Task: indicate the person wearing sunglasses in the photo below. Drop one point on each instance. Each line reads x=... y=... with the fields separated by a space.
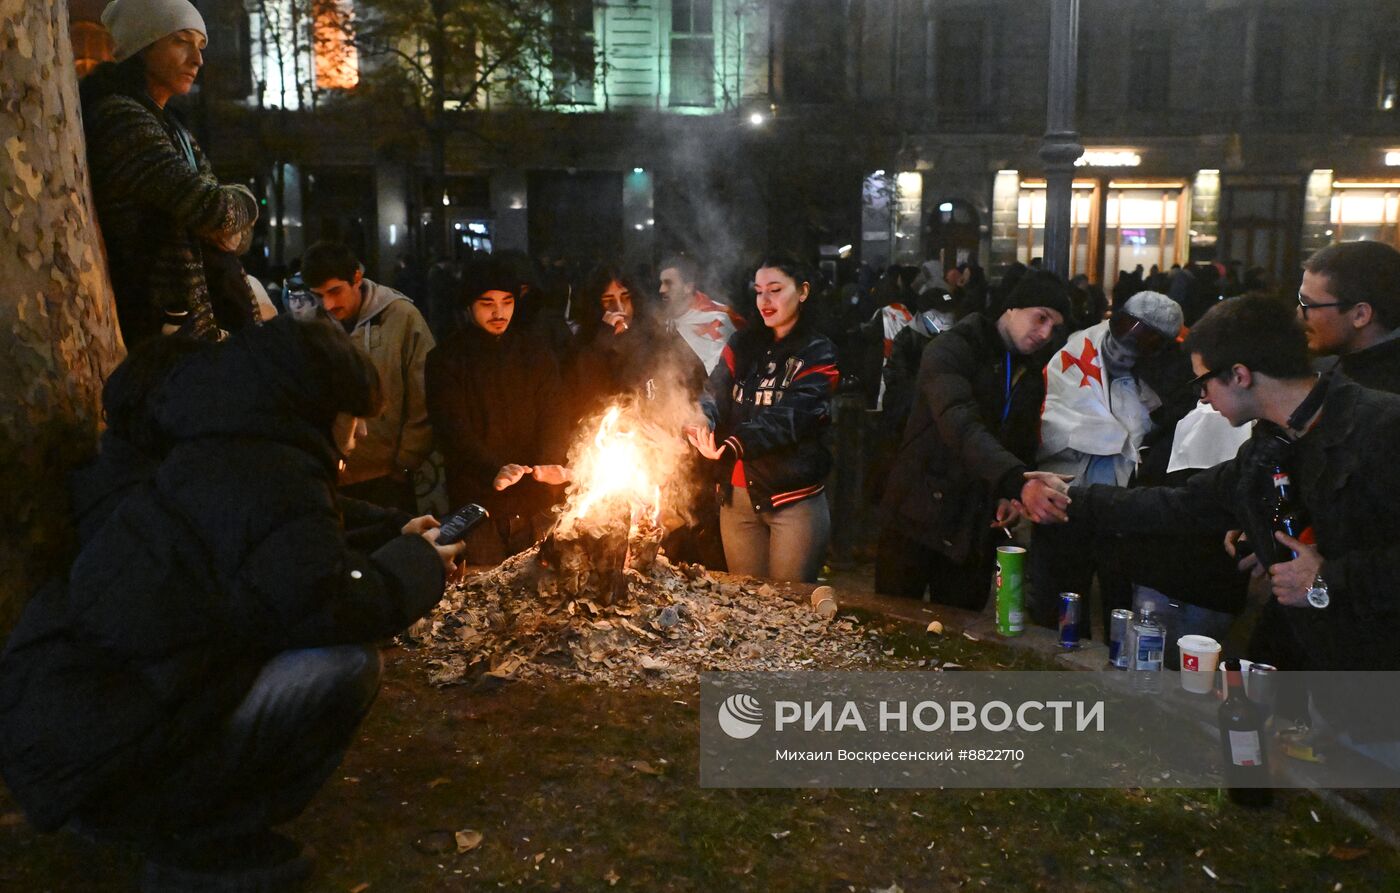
x=1335 y=582
x=1349 y=304
x=1097 y=412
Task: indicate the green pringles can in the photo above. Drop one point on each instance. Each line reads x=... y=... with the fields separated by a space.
x=1011 y=598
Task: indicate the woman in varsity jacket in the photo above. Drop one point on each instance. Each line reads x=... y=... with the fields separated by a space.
x=768 y=403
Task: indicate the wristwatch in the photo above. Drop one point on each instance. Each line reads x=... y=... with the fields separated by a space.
x=1318 y=596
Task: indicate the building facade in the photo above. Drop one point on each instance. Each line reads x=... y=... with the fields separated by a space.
x=885 y=130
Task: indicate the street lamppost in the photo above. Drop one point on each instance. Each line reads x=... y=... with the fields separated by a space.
x=1060 y=146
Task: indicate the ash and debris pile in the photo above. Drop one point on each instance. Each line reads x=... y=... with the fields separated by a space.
x=514 y=622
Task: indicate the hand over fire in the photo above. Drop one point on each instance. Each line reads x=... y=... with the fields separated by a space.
x=552 y=474
x=509 y=475
x=703 y=439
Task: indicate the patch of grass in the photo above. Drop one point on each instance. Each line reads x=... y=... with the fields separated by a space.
x=604 y=784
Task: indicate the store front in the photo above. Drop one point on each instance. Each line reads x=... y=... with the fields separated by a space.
x=1116 y=224
x=1366 y=209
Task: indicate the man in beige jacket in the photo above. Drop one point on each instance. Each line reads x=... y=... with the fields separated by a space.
x=386 y=325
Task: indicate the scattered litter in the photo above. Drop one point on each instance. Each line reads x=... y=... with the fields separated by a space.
x=936 y=628
x=612 y=877
x=1313 y=813
x=467 y=840
x=644 y=767
x=1209 y=873
x=360 y=888
x=512 y=622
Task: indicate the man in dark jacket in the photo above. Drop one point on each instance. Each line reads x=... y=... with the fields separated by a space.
x=499 y=418
x=1350 y=306
x=970 y=439
x=205 y=666
x=1336 y=441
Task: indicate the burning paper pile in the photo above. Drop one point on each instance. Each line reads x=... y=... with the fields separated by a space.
x=674 y=622
x=598 y=600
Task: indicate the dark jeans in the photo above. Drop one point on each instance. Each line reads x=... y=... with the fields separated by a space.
x=273 y=754
x=386 y=491
x=908 y=568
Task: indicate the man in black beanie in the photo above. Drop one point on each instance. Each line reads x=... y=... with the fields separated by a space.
x=970 y=439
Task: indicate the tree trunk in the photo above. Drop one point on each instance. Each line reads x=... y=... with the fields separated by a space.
x=58 y=325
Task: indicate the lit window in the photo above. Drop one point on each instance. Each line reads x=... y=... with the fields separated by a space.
x=337 y=61
x=1366 y=211
x=92 y=46
x=692 y=53
x=1030 y=225
x=572 y=54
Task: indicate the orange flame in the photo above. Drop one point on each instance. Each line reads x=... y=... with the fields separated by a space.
x=614 y=471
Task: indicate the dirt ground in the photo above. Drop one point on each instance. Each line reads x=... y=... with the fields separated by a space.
x=574 y=787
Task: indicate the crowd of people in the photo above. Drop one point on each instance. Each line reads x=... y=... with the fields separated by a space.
x=250 y=528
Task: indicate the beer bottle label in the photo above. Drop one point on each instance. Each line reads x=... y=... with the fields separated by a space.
x=1245 y=749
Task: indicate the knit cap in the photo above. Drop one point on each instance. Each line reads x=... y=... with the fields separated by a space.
x=1157 y=310
x=136 y=24
x=1040 y=288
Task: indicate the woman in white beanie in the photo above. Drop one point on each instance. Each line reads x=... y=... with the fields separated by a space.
x=164 y=217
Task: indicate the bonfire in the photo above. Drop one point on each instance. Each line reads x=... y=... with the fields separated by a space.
x=598 y=599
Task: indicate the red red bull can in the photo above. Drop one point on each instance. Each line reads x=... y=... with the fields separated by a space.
x=1071 y=610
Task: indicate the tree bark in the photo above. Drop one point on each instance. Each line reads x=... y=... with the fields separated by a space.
x=58 y=325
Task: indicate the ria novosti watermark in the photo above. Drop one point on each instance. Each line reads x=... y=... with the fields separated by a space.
x=970 y=729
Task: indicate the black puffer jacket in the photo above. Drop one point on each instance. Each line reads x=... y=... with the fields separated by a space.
x=971 y=435
x=1347 y=477
x=230 y=551
x=769 y=403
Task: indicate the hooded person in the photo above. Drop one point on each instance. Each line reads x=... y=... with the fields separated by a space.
x=496 y=402
x=204 y=667
x=389 y=329
x=171 y=229
x=1097 y=413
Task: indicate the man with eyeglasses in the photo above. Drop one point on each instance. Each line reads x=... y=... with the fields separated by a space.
x=1097 y=412
x=1349 y=303
x=1335 y=583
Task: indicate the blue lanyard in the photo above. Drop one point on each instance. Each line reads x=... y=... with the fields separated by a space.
x=1006 y=401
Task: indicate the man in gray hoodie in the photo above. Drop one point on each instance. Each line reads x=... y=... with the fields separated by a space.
x=386 y=325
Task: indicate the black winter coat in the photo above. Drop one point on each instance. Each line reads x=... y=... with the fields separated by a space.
x=1347 y=478
x=1375 y=367
x=769 y=403
x=494 y=401
x=971 y=435
x=230 y=552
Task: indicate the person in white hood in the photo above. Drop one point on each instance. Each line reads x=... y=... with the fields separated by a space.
x=1096 y=413
x=388 y=327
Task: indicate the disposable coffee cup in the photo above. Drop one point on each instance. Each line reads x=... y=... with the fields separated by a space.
x=824 y=601
x=1199 y=655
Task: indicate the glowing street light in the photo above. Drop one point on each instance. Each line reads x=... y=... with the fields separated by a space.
x=756 y=119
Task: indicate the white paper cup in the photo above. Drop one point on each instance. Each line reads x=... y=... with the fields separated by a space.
x=1199 y=655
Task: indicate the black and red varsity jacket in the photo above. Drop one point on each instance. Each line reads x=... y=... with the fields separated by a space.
x=769 y=403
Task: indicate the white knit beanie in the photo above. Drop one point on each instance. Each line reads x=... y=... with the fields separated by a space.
x=136 y=24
